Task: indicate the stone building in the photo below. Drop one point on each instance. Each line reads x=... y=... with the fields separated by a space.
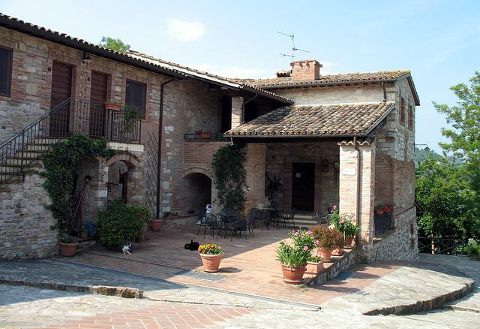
x=331 y=139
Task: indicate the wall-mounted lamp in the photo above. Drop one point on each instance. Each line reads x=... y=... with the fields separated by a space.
x=86 y=58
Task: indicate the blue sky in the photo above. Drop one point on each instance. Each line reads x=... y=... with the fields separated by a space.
x=438 y=40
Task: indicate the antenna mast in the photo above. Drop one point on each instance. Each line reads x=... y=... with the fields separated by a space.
x=293 y=49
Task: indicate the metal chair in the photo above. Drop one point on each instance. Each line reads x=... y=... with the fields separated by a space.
x=286 y=216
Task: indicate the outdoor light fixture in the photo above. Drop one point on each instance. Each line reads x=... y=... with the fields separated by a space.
x=86 y=58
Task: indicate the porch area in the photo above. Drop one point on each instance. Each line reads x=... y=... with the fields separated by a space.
x=249 y=266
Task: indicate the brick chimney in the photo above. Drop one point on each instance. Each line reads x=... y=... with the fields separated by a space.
x=306 y=70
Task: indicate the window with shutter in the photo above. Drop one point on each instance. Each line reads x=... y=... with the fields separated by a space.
x=136 y=96
x=5 y=71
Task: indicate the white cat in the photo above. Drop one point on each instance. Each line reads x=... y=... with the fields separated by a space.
x=126 y=248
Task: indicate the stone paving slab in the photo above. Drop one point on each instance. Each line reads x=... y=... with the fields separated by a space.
x=409 y=289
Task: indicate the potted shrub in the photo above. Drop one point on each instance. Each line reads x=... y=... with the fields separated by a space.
x=327 y=239
x=68 y=245
x=121 y=222
x=350 y=229
x=211 y=255
x=314 y=265
x=294 y=257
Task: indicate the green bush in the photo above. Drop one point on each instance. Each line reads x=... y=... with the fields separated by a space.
x=472 y=248
x=120 y=222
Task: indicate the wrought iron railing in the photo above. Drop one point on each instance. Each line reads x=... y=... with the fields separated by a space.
x=445 y=245
x=204 y=137
x=72 y=116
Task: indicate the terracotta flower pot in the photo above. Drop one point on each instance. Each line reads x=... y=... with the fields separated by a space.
x=293 y=275
x=156 y=224
x=326 y=254
x=211 y=263
x=68 y=249
x=337 y=252
x=348 y=242
x=314 y=268
x=113 y=106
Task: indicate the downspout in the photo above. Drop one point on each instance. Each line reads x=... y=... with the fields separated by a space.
x=159 y=150
x=243 y=107
x=359 y=159
x=384 y=92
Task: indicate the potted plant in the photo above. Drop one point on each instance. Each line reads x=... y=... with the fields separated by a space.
x=350 y=230
x=327 y=239
x=314 y=265
x=211 y=255
x=294 y=257
x=68 y=245
x=156 y=224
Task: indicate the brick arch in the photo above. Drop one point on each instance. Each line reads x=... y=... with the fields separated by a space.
x=197 y=170
x=130 y=160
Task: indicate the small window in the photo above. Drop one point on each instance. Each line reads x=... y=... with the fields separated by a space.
x=136 y=95
x=402 y=111
x=410 y=117
x=5 y=71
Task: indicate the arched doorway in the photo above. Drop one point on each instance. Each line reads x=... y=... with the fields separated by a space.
x=123 y=179
x=197 y=191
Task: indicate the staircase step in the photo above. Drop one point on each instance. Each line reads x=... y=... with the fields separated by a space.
x=5 y=169
x=47 y=141
x=29 y=154
x=38 y=147
x=14 y=161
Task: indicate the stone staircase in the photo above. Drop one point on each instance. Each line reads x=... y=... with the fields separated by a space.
x=14 y=165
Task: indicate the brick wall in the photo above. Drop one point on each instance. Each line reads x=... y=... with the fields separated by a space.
x=255 y=168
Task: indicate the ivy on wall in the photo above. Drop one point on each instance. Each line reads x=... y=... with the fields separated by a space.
x=61 y=163
x=230 y=177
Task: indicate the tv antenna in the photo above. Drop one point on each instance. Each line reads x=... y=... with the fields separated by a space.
x=294 y=49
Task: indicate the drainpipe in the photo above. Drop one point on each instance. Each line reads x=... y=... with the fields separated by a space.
x=159 y=150
x=384 y=92
x=359 y=159
x=243 y=107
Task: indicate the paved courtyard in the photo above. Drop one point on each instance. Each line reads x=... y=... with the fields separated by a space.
x=247 y=293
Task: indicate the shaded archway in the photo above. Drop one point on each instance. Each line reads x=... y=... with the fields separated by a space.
x=122 y=180
x=197 y=191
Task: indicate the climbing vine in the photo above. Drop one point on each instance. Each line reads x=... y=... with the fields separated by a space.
x=60 y=165
x=230 y=177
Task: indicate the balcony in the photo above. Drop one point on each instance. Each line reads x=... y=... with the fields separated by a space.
x=204 y=136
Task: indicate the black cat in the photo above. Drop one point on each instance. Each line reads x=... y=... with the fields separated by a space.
x=192 y=245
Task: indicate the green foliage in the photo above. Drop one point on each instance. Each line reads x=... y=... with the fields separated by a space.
x=114 y=44
x=120 y=222
x=60 y=165
x=210 y=249
x=302 y=238
x=447 y=200
x=328 y=238
x=345 y=223
x=472 y=248
x=130 y=115
x=274 y=186
x=464 y=130
x=315 y=259
x=424 y=154
x=230 y=177
x=291 y=255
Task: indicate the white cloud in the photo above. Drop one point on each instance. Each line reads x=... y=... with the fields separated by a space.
x=185 y=30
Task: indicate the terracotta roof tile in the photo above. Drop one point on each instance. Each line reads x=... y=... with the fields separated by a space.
x=333 y=79
x=333 y=120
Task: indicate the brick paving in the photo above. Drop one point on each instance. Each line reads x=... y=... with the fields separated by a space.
x=162 y=315
x=249 y=266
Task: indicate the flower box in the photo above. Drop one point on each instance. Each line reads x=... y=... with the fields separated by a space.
x=314 y=267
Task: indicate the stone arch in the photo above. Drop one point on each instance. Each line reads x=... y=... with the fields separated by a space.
x=124 y=178
x=129 y=159
x=196 y=189
x=197 y=170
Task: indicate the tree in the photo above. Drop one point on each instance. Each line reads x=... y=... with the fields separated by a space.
x=464 y=133
x=446 y=198
x=114 y=44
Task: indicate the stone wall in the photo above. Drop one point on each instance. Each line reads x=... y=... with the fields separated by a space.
x=331 y=95
x=400 y=244
x=24 y=220
x=280 y=157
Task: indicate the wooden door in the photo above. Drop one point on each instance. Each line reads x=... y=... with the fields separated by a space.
x=61 y=91
x=98 y=97
x=303 y=186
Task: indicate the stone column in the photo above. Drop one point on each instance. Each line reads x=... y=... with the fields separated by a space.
x=357 y=185
x=237 y=111
x=255 y=167
x=367 y=190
